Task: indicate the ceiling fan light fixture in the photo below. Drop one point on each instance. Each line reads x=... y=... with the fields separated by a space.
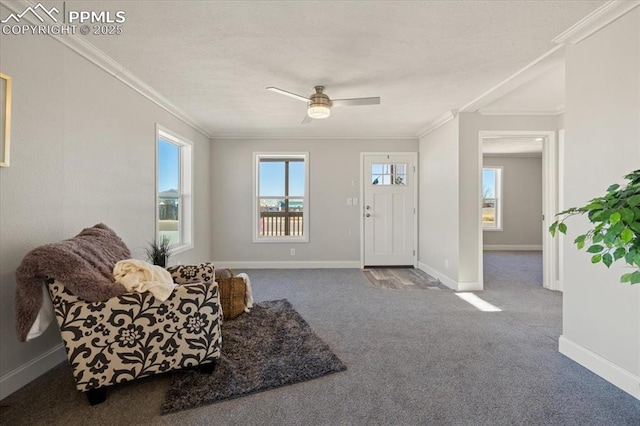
x=319 y=104
x=318 y=111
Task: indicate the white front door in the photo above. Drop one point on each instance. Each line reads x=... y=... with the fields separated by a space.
x=389 y=203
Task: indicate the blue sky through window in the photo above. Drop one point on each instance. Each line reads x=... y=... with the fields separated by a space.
x=168 y=165
x=272 y=178
x=489 y=183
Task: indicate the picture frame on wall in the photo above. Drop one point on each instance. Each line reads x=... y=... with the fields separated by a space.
x=5 y=119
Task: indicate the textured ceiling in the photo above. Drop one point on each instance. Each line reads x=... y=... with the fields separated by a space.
x=214 y=59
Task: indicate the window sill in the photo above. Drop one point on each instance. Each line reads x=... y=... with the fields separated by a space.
x=281 y=240
x=181 y=248
x=492 y=229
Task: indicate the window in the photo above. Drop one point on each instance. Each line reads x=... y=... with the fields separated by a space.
x=389 y=174
x=281 y=204
x=492 y=198
x=173 y=186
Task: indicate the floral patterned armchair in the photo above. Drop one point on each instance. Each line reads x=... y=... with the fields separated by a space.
x=135 y=335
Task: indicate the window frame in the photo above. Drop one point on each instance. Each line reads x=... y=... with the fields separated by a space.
x=185 y=190
x=257 y=156
x=393 y=174
x=499 y=199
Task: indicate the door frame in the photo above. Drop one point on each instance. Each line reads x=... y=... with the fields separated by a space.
x=415 y=201
x=560 y=236
x=549 y=183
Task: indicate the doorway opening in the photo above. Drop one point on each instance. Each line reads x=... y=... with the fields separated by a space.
x=518 y=187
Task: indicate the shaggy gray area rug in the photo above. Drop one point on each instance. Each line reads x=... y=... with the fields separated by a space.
x=268 y=347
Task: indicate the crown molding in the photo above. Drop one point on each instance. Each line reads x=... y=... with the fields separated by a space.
x=290 y=136
x=596 y=20
x=523 y=112
x=96 y=56
x=438 y=122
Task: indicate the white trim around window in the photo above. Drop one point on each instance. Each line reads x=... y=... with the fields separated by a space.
x=297 y=232
x=183 y=234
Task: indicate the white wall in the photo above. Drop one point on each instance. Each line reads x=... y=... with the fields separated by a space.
x=601 y=317
x=438 y=221
x=521 y=203
x=82 y=152
x=334 y=176
x=453 y=151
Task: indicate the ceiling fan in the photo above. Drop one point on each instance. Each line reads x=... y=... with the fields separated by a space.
x=319 y=104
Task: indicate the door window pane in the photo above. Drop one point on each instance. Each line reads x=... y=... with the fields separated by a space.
x=389 y=174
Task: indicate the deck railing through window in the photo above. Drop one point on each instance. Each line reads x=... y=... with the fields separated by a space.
x=281 y=223
x=489 y=215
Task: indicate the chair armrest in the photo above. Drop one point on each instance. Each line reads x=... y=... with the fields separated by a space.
x=188 y=274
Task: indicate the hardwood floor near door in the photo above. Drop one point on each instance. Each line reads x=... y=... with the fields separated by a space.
x=400 y=279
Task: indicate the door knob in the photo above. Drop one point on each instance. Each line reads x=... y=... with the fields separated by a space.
x=368 y=207
x=368 y=215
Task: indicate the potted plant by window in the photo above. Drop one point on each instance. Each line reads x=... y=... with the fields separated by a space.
x=616 y=226
x=158 y=252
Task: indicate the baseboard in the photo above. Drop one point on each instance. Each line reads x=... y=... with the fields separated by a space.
x=512 y=247
x=559 y=286
x=25 y=374
x=330 y=264
x=604 y=368
x=470 y=286
x=452 y=284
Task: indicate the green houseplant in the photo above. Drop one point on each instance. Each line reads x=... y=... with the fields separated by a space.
x=158 y=252
x=616 y=231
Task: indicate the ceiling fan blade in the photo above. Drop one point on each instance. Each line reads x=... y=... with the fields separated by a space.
x=291 y=95
x=355 y=102
x=306 y=119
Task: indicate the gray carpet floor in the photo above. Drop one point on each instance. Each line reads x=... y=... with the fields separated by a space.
x=413 y=358
x=513 y=268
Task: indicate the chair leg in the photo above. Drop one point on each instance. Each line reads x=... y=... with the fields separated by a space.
x=96 y=396
x=208 y=368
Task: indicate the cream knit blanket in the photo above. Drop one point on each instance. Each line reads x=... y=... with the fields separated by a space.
x=141 y=276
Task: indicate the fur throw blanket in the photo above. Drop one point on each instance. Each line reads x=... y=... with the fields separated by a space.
x=83 y=263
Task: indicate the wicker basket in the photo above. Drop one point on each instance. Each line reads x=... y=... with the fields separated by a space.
x=232 y=293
